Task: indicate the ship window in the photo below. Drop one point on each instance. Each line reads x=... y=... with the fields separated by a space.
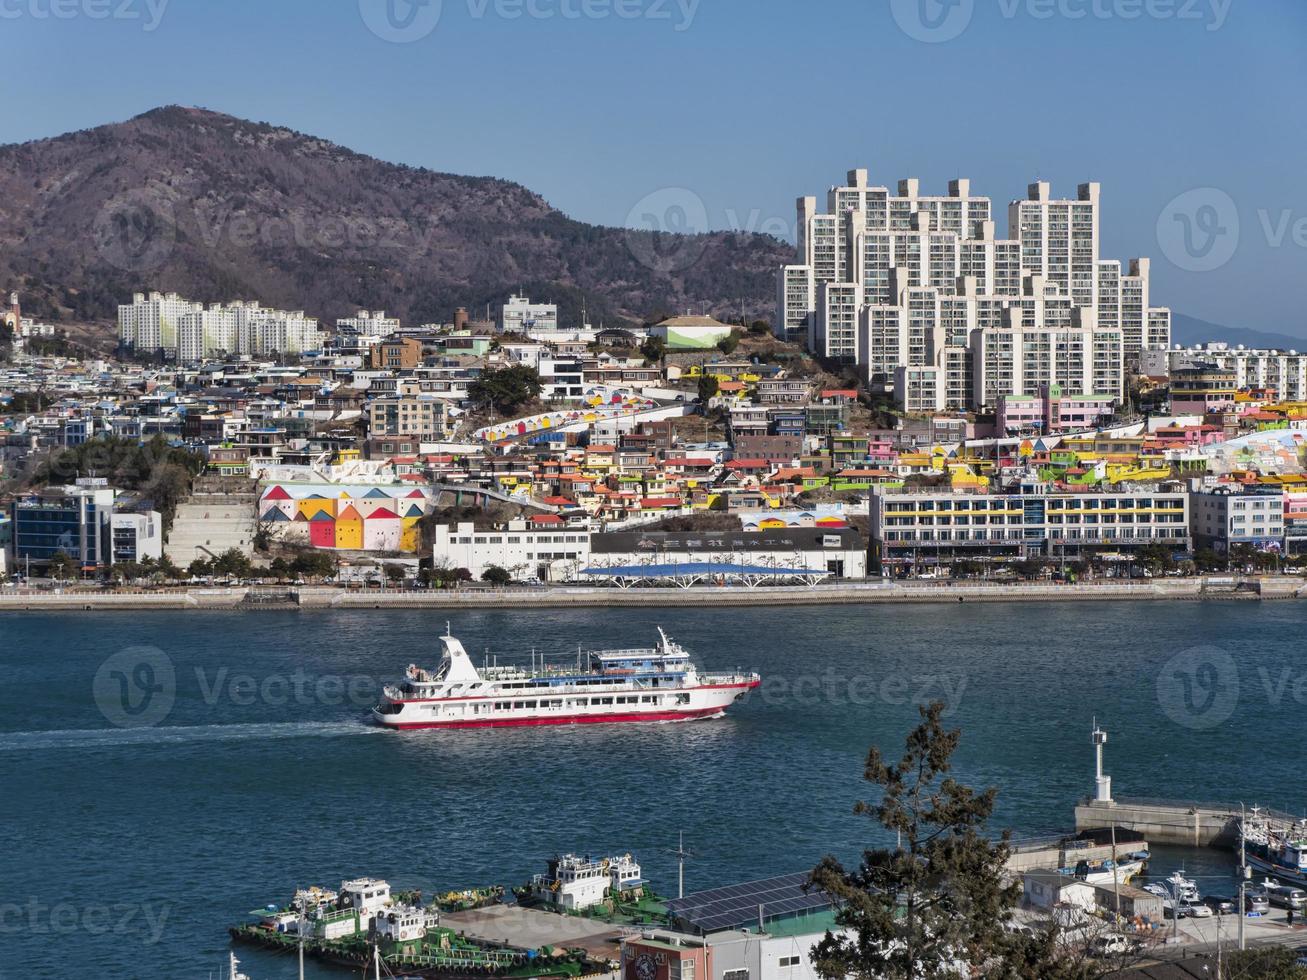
x=519 y=704
x=649 y=699
x=529 y=704
x=603 y=700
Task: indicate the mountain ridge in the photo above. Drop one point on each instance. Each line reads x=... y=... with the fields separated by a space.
x=215 y=207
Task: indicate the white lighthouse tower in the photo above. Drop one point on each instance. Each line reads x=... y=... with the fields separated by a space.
x=1102 y=784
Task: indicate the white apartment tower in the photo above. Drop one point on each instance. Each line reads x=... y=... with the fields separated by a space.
x=151 y=323
x=931 y=281
x=186 y=331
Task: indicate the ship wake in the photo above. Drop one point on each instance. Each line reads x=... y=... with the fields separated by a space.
x=91 y=738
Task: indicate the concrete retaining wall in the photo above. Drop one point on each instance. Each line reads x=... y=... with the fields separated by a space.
x=1160 y=823
x=851 y=593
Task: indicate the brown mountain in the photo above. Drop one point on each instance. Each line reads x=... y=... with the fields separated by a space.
x=216 y=208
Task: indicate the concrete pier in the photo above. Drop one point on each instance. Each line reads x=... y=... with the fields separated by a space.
x=1186 y=824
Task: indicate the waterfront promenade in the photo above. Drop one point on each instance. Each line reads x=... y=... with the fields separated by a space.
x=529 y=597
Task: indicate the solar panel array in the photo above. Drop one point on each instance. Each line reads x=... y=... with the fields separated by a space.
x=736 y=906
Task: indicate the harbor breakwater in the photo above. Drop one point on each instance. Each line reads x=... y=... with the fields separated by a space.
x=324 y=597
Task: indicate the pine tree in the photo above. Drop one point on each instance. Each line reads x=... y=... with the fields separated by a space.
x=937 y=904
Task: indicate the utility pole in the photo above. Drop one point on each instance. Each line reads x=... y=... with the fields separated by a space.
x=1243 y=875
x=1116 y=880
x=681 y=854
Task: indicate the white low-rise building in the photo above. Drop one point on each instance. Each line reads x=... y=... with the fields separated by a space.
x=549 y=553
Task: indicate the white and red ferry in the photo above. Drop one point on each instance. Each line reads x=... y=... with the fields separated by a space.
x=651 y=684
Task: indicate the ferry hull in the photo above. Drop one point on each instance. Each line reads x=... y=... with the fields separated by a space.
x=608 y=719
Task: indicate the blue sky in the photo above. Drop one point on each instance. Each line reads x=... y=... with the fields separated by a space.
x=746 y=104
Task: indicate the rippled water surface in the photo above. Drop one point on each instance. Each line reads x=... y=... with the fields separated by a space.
x=131 y=846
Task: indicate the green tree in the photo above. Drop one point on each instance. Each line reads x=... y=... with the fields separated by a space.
x=728 y=343
x=395 y=573
x=279 y=568
x=200 y=568
x=314 y=564
x=506 y=389
x=936 y=905
x=708 y=388
x=63 y=566
x=760 y=327
x=232 y=563
x=496 y=576
x=126 y=571
x=654 y=349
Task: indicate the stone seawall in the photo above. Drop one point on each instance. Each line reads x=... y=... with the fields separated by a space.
x=851 y=593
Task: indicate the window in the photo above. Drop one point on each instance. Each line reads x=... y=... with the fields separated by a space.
x=788 y=961
x=735 y=975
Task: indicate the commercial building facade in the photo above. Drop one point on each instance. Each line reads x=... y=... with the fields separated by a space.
x=930 y=527
x=79 y=521
x=1224 y=518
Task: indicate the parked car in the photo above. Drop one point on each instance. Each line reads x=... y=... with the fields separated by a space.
x=1287 y=897
x=1220 y=904
x=1196 y=910
x=1256 y=902
x=1113 y=944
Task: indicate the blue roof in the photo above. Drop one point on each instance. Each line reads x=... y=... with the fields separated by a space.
x=698 y=568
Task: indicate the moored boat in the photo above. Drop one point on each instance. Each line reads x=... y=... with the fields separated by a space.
x=1278 y=851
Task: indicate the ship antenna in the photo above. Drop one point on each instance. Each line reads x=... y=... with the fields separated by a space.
x=448 y=628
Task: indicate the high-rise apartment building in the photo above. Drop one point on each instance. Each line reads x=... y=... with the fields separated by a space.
x=928 y=280
x=186 y=331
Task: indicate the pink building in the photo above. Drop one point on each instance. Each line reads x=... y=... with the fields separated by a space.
x=1051 y=411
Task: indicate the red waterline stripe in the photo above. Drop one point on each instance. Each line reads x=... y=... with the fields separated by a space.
x=564 y=720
